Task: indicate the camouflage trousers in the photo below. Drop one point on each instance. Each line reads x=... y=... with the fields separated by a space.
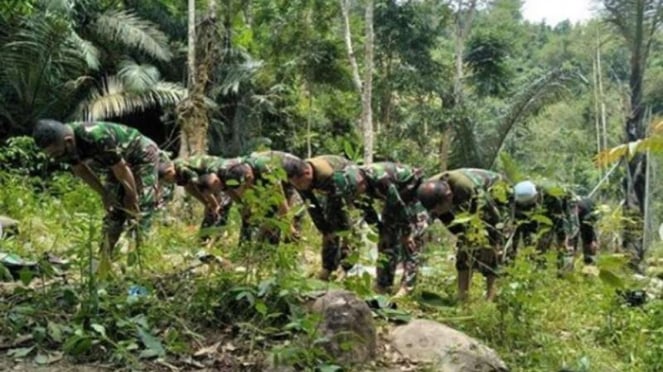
x=212 y=221
x=401 y=239
x=335 y=249
x=145 y=176
x=587 y=234
x=265 y=226
x=543 y=238
x=483 y=256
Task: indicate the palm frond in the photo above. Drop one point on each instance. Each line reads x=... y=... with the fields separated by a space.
x=238 y=75
x=87 y=50
x=136 y=76
x=628 y=150
x=114 y=99
x=129 y=29
x=543 y=90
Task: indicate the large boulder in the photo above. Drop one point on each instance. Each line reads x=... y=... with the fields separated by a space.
x=8 y=226
x=347 y=324
x=444 y=348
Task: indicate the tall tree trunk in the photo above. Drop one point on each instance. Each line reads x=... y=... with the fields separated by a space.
x=463 y=25
x=365 y=88
x=367 y=94
x=637 y=21
x=345 y=11
x=192 y=112
x=185 y=135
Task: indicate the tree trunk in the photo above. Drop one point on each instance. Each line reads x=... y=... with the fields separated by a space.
x=185 y=131
x=364 y=88
x=345 y=11
x=367 y=94
x=463 y=25
x=635 y=180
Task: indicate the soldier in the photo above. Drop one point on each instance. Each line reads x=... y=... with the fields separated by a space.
x=469 y=191
x=403 y=219
x=556 y=204
x=129 y=158
x=187 y=173
x=260 y=172
x=312 y=178
x=587 y=217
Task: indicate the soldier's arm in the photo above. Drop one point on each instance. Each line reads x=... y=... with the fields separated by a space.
x=83 y=171
x=125 y=176
x=571 y=223
x=205 y=197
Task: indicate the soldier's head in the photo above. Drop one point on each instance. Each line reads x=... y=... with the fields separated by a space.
x=167 y=171
x=238 y=178
x=210 y=182
x=525 y=193
x=436 y=196
x=54 y=138
x=300 y=173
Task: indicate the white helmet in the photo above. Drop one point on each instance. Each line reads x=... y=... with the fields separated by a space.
x=525 y=192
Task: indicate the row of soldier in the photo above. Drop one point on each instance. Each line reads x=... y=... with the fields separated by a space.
x=137 y=172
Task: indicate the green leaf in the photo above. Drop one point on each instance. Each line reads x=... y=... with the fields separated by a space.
x=99 y=329
x=26 y=276
x=372 y=236
x=398 y=316
x=610 y=278
x=329 y=368
x=151 y=343
x=260 y=307
x=149 y=353
x=20 y=352
x=55 y=331
x=432 y=299
x=77 y=344
x=41 y=359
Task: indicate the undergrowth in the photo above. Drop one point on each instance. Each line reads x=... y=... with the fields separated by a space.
x=539 y=322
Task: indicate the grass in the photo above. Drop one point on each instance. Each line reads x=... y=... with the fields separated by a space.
x=540 y=322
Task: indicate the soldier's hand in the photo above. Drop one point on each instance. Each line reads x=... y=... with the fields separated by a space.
x=130 y=203
x=107 y=199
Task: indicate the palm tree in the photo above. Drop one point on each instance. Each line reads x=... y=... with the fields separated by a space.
x=73 y=60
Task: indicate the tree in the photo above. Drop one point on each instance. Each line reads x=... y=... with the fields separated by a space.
x=637 y=22
x=365 y=87
x=80 y=60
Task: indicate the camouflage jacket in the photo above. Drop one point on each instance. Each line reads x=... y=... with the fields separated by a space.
x=322 y=186
x=265 y=163
x=106 y=144
x=474 y=189
x=557 y=203
x=188 y=170
x=395 y=184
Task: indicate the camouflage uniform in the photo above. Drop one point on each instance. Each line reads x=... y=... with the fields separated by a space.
x=106 y=144
x=556 y=204
x=587 y=217
x=326 y=210
x=403 y=219
x=166 y=191
x=268 y=168
x=187 y=171
x=475 y=191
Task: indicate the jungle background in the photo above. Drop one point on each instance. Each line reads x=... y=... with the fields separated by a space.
x=436 y=84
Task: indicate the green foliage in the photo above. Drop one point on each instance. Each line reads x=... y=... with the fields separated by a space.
x=21 y=156
x=486 y=58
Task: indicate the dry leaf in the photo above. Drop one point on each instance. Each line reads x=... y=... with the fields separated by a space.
x=208 y=350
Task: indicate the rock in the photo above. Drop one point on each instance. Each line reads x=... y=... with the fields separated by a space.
x=447 y=349
x=347 y=324
x=8 y=226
